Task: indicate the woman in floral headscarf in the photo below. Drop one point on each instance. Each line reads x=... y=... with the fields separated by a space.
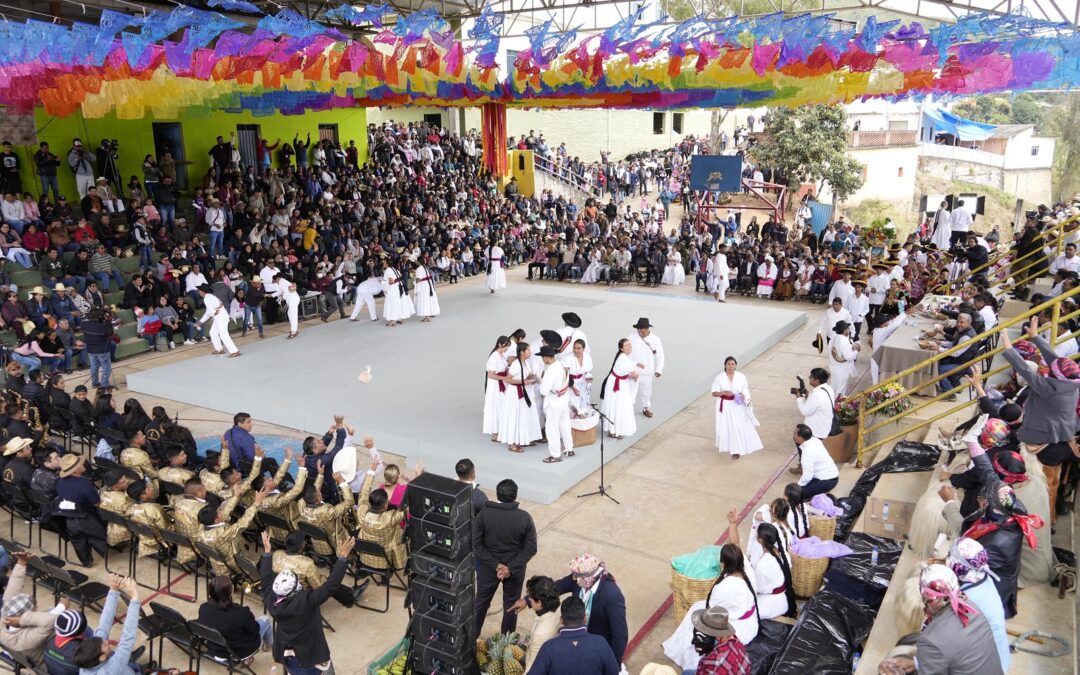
x=969 y=561
x=605 y=606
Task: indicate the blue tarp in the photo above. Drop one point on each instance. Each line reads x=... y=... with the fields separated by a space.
x=964 y=130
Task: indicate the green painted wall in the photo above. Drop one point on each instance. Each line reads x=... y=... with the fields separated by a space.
x=199 y=134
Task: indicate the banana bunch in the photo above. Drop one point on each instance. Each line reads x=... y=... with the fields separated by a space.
x=399 y=666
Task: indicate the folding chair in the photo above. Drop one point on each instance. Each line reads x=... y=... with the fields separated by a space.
x=252 y=579
x=112 y=518
x=45 y=522
x=318 y=534
x=17 y=504
x=85 y=593
x=382 y=576
x=17 y=662
x=209 y=637
x=171 y=489
x=269 y=522
x=178 y=541
x=142 y=533
x=211 y=555
x=173 y=627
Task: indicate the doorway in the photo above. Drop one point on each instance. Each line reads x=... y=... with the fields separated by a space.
x=433 y=119
x=168 y=136
x=247 y=137
x=328 y=132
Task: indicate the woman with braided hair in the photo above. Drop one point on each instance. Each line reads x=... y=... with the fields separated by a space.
x=800 y=522
x=778 y=514
x=519 y=421
x=776 y=595
x=732 y=590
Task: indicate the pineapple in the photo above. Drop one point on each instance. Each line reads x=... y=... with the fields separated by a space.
x=518 y=652
x=482 y=658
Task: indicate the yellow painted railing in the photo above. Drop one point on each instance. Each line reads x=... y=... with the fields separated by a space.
x=865 y=427
x=1021 y=274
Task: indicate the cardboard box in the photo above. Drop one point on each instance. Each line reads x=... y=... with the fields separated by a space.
x=900 y=492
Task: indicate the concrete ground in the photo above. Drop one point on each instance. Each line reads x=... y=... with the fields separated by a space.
x=675 y=491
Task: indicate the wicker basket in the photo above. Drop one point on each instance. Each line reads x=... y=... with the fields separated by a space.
x=807 y=574
x=581 y=438
x=822 y=527
x=687 y=591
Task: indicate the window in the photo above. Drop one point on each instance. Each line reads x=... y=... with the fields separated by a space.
x=658 y=123
x=865 y=175
x=676 y=122
x=511 y=59
x=1034 y=150
x=328 y=132
x=433 y=119
x=900 y=172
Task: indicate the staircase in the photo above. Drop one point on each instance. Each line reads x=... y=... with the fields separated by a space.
x=548 y=177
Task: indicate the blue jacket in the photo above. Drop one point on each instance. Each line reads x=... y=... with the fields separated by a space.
x=575 y=652
x=117 y=663
x=241 y=446
x=607 y=617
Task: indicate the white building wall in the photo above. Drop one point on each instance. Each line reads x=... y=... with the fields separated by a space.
x=878 y=115
x=1028 y=151
x=890 y=174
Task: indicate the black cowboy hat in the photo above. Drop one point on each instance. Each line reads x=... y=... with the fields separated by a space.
x=205 y=288
x=818 y=343
x=840 y=327
x=642 y=323
x=548 y=351
x=550 y=337
x=572 y=320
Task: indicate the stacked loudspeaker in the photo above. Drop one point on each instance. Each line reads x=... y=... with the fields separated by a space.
x=442 y=576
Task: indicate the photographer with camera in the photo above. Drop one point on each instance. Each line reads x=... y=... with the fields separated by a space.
x=815 y=404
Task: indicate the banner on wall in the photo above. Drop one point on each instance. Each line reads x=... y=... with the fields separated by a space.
x=716 y=173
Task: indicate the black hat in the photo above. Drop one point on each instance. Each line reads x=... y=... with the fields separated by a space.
x=550 y=337
x=294 y=542
x=572 y=320
x=205 y=288
x=840 y=327
x=80 y=388
x=548 y=351
x=643 y=323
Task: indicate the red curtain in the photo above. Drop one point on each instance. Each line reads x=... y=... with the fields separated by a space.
x=493 y=133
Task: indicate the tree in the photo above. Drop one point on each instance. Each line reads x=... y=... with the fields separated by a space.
x=993 y=109
x=809 y=145
x=1065 y=124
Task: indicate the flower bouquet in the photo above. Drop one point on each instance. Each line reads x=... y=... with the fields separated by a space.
x=896 y=397
x=847 y=411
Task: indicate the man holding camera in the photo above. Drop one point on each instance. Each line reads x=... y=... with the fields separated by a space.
x=815 y=405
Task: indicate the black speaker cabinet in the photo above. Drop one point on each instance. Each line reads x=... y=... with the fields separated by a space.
x=429 y=657
x=437 y=568
x=439 y=499
x=452 y=638
x=449 y=604
x=451 y=543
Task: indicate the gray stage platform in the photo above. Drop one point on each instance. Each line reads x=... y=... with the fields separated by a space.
x=426 y=395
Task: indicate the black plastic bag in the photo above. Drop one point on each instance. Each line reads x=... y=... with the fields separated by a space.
x=763 y=649
x=905 y=457
x=854 y=577
x=824 y=639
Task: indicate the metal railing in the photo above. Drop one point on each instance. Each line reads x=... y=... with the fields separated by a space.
x=1032 y=260
x=566 y=175
x=988 y=338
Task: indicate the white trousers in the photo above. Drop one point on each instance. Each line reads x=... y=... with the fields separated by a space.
x=294 y=317
x=366 y=300
x=721 y=287
x=219 y=333
x=557 y=427
x=644 y=390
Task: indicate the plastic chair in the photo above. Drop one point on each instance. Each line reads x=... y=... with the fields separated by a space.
x=382 y=576
x=112 y=518
x=174 y=628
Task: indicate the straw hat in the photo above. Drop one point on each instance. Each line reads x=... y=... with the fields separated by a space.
x=69 y=463
x=15 y=445
x=59 y=288
x=38 y=290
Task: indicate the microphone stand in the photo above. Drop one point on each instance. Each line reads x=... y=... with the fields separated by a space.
x=602 y=489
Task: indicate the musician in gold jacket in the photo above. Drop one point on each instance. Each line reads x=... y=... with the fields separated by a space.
x=333 y=518
x=293 y=558
x=135 y=457
x=114 y=498
x=278 y=503
x=175 y=472
x=225 y=538
x=380 y=525
x=148 y=512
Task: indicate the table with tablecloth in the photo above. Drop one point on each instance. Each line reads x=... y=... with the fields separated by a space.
x=901 y=351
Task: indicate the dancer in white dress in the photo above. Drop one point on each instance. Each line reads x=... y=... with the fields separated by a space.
x=496 y=275
x=767 y=272
x=592 y=272
x=366 y=291
x=579 y=364
x=427 y=300
x=618 y=392
x=673 y=271
x=842 y=355
x=778 y=514
x=771 y=570
x=397 y=306
x=718 y=278
x=735 y=420
x=292 y=306
x=570 y=333
x=734 y=591
x=495 y=387
x=219 y=329
x=519 y=422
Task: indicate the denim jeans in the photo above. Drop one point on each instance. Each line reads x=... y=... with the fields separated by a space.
x=28 y=362
x=266 y=630
x=17 y=225
x=293 y=667
x=217 y=241
x=103 y=364
x=248 y=311
x=71 y=356
x=103 y=280
x=146 y=255
x=168 y=215
x=816 y=486
x=951 y=381
x=50 y=182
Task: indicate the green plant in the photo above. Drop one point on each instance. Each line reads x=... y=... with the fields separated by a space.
x=894 y=394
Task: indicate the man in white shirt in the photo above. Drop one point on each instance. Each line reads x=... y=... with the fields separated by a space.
x=648 y=354
x=842 y=288
x=819 y=472
x=219 y=328
x=858 y=305
x=555 y=388
x=13 y=213
x=816 y=406
x=1068 y=262
x=215 y=220
x=984 y=305
x=366 y=291
x=960 y=222
x=835 y=312
x=876 y=289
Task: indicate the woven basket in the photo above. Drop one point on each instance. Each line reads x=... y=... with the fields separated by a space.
x=583 y=437
x=822 y=527
x=687 y=591
x=807 y=574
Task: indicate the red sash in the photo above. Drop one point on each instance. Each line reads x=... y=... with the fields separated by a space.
x=778 y=590
x=749 y=613
x=565 y=343
x=521 y=390
x=577 y=377
x=423 y=279
x=1027 y=525
x=502 y=384
x=766 y=282
x=618 y=379
x=725 y=397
